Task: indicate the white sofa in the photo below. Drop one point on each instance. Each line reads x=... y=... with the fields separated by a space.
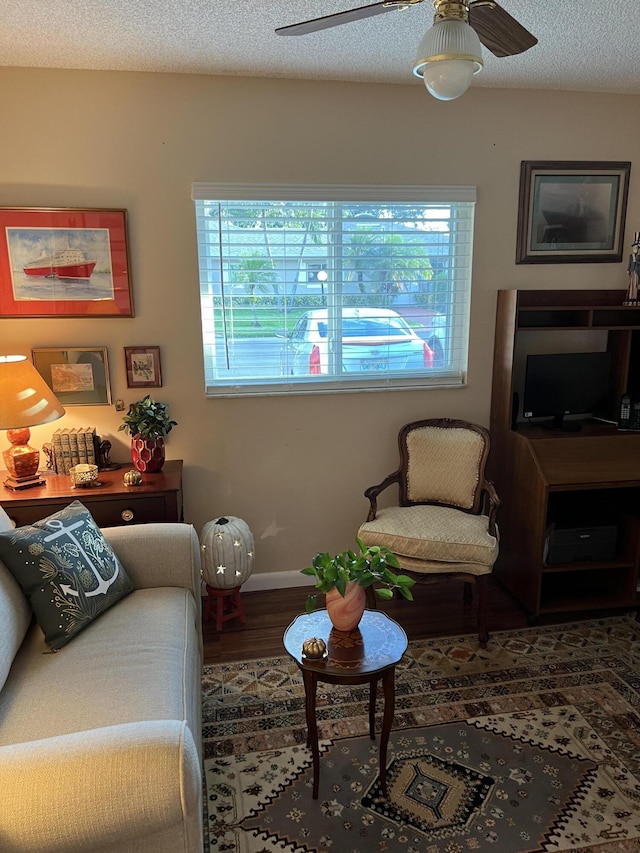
x=100 y=743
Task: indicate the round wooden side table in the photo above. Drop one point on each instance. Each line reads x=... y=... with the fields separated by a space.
x=364 y=656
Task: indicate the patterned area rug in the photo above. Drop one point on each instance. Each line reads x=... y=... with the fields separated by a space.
x=531 y=745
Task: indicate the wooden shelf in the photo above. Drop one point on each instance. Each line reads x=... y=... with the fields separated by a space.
x=588 y=566
x=543 y=477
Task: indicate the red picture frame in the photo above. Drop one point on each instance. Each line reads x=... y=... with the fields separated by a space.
x=143 y=367
x=64 y=262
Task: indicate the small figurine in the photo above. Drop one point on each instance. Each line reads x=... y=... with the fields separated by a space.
x=314 y=648
x=105 y=450
x=48 y=452
x=634 y=271
x=104 y=463
x=132 y=478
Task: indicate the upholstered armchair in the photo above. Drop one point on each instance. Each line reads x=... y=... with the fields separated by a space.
x=445 y=523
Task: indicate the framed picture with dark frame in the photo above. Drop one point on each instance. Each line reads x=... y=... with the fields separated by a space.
x=78 y=376
x=571 y=211
x=143 y=367
x=64 y=262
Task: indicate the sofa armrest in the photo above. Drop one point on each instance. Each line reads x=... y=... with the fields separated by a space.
x=99 y=788
x=156 y=555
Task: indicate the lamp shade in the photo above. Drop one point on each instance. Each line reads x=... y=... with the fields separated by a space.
x=449 y=54
x=25 y=398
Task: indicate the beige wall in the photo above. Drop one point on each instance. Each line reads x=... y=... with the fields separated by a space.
x=293 y=467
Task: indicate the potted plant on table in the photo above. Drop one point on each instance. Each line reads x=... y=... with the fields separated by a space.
x=147 y=422
x=345 y=578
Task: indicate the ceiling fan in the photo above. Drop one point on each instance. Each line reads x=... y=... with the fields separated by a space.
x=450 y=51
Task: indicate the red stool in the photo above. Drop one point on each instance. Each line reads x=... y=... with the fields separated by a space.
x=228 y=605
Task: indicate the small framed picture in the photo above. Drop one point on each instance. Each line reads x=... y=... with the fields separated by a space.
x=571 y=211
x=143 y=367
x=78 y=376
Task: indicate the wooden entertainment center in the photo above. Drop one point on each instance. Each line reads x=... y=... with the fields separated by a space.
x=587 y=480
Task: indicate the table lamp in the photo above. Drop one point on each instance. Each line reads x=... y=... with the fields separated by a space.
x=25 y=401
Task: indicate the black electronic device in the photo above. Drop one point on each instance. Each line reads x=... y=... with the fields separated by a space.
x=573 y=544
x=629 y=414
x=566 y=384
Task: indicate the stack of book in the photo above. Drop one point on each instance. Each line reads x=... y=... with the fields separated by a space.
x=71 y=447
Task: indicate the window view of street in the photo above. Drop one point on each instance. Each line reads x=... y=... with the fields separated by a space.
x=299 y=292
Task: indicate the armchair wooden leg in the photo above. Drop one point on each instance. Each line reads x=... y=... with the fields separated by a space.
x=482 y=582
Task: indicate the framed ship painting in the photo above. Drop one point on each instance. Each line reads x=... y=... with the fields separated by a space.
x=64 y=262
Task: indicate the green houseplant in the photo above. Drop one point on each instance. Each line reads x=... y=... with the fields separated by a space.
x=148 y=419
x=147 y=422
x=345 y=577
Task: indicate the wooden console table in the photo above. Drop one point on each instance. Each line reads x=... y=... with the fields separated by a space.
x=112 y=504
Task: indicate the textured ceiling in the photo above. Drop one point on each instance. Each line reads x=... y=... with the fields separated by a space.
x=583 y=44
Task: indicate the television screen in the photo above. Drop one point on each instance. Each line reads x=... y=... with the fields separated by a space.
x=575 y=383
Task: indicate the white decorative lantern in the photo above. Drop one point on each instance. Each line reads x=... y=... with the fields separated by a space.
x=227 y=552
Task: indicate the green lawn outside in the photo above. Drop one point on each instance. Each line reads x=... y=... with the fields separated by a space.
x=241 y=322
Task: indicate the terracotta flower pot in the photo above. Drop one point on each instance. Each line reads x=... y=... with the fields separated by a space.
x=147 y=454
x=345 y=613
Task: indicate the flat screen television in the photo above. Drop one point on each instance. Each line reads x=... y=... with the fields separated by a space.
x=565 y=384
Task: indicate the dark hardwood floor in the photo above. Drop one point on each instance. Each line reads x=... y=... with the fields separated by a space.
x=437 y=611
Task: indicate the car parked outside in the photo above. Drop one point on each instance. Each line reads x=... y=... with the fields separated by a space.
x=372 y=339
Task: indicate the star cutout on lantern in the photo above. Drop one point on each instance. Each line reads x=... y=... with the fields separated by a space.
x=237 y=543
x=221 y=570
x=249 y=554
x=238 y=573
x=219 y=534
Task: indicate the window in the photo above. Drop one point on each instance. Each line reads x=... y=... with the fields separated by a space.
x=330 y=288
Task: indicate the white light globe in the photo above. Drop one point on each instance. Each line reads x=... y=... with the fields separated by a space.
x=449 y=54
x=448 y=78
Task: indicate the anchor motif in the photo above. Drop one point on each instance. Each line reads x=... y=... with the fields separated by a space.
x=61 y=530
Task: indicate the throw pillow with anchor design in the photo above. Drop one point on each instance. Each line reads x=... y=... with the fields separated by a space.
x=67 y=570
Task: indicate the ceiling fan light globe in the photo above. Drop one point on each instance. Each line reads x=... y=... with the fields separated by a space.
x=448 y=79
x=449 y=54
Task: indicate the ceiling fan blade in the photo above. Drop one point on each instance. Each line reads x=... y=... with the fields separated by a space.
x=497 y=30
x=339 y=18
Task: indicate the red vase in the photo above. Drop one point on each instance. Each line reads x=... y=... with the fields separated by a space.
x=345 y=613
x=147 y=454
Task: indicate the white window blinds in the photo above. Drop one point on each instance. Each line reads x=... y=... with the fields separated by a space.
x=329 y=288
